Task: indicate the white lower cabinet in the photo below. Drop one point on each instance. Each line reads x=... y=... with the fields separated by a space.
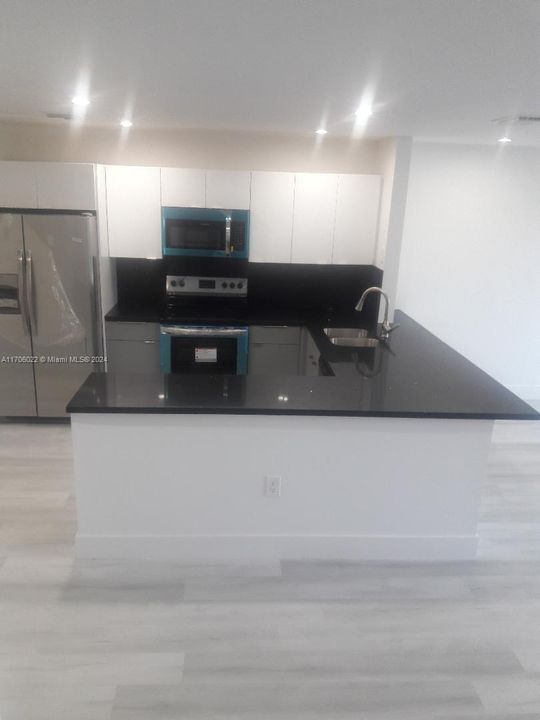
x=271 y=217
x=313 y=219
x=133 y=211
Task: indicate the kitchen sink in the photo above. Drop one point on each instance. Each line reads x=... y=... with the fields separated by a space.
x=350 y=337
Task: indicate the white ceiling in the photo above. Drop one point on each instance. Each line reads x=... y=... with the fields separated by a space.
x=433 y=68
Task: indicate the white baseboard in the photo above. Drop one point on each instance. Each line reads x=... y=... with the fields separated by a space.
x=256 y=549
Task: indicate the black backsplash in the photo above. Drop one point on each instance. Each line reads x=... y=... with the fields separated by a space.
x=313 y=288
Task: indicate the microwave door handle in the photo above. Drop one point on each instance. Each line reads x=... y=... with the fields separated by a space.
x=21 y=289
x=228 y=235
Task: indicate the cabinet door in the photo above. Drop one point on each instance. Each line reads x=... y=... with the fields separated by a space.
x=274 y=350
x=229 y=189
x=313 y=220
x=18 y=185
x=133 y=211
x=133 y=356
x=310 y=354
x=357 y=216
x=101 y=201
x=183 y=187
x=132 y=347
x=271 y=217
x=65 y=186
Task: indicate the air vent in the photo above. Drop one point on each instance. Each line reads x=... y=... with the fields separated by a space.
x=59 y=116
x=517 y=119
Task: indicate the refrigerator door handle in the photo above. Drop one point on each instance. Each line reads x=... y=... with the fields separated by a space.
x=21 y=289
x=228 y=235
x=30 y=301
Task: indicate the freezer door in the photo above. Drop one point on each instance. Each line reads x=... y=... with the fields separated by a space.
x=17 y=391
x=61 y=277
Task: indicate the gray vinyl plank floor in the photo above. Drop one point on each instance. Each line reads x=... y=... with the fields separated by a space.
x=89 y=640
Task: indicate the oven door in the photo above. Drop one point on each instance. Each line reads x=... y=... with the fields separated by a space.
x=205 y=232
x=204 y=350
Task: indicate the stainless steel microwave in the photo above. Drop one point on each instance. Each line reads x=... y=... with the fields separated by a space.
x=205 y=232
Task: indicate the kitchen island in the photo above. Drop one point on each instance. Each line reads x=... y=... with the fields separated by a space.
x=381 y=457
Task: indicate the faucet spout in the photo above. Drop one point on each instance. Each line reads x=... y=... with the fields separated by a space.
x=386 y=327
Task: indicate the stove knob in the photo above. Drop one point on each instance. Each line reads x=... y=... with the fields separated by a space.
x=231 y=285
x=173 y=283
x=182 y=283
x=240 y=286
x=224 y=285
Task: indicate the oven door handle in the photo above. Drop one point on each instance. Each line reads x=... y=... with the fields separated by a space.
x=203 y=332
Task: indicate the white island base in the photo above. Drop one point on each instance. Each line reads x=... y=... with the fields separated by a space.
x=191 y=487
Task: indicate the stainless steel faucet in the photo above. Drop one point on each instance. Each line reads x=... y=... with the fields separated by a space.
x=386 y=327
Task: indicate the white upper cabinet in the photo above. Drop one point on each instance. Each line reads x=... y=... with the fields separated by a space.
x=65 y=186
x=357 y=215
x=17 y=185
x=133 y=211
x=47 y=186
x=229 y=189
x=271 y=216
x=183 y=187
x=314 y=213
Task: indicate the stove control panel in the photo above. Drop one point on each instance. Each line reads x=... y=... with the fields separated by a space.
x=209 y=286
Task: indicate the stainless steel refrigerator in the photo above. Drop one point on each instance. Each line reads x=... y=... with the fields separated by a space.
x=50 y=319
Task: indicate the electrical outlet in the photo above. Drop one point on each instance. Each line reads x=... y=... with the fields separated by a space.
x=272 y=486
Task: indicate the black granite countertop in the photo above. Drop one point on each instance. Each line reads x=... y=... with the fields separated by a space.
x=414 y=375
x=237 y=313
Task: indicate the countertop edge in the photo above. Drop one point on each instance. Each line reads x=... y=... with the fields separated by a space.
x=79 y=410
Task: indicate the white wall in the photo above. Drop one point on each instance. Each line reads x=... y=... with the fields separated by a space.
x=395 y=165
x=470 y=262
x=227 y=150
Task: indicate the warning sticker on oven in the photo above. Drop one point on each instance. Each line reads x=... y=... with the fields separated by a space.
x=203 y=355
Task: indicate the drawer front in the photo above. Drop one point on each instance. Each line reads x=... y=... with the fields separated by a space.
x=275 y=334
x=132 y=331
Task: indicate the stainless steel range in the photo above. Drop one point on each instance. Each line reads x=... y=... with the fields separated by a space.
x=204 y=348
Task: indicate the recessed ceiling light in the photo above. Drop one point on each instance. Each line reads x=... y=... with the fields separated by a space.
x=126 y=123
x=364 y=112
x=321 y=131
x=505 y=139
x=80 y=101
